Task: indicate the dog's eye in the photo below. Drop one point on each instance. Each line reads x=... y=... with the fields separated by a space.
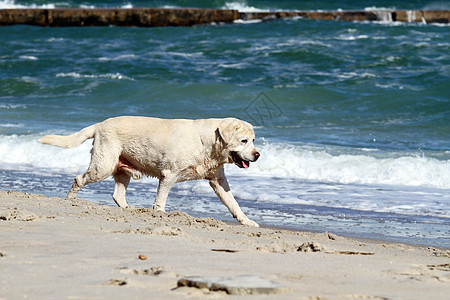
x=244 y=141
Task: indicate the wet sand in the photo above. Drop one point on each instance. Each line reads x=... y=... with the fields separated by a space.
x=58 y=249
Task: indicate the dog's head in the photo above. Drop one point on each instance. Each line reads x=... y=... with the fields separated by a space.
x=238 y=137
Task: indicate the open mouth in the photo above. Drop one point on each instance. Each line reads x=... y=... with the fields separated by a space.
x=238 y=161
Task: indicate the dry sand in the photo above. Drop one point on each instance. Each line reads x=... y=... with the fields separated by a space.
x=51 y=248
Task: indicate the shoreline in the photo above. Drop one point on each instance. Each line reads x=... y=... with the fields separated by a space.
x=54 y=248
x=376 y=225
x=355 y=237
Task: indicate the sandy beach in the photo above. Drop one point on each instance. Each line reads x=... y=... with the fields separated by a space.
x=51 y=248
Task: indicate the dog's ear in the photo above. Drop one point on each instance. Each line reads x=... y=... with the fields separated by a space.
x=227 y=128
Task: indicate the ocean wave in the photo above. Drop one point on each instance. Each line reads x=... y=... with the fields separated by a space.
x=283 y=160
x=9 y=4
x=119 y=57
x=26 y=153
x=28 y=57
x=242 y=6
x=127 y=5
x=107 y=75
x=239 y=21
x=10 y=125
x=12 y=106
x=277 y=160
x=349 y=37
x=371 y=8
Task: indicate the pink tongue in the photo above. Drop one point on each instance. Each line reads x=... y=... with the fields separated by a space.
x=245 y=165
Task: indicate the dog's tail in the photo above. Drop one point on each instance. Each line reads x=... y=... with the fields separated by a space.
x=69 y=141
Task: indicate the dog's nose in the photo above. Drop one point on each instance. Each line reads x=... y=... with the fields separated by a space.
x=257 y=155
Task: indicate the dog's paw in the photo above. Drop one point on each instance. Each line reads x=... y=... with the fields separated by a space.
x=249 y=223
x=70 y=197
x=159 y=208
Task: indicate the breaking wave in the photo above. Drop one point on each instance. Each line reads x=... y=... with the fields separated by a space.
x=277 y=160
x=281 y=160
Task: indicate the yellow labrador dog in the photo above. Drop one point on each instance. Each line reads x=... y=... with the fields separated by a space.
x=170 y=150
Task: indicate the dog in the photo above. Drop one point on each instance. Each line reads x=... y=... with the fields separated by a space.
x=172 y=150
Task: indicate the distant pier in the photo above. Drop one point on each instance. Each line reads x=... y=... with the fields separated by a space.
x=158 y=17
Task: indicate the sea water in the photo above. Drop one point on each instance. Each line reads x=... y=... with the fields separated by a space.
x=352 y=118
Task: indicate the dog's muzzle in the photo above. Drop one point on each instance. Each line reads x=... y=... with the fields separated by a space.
x=242 y=163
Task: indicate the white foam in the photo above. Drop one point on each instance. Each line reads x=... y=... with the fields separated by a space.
x=350 y=37
x=28 y=57
x=26 y=153
x=240 y=66
x=372 y=8
x=8 y=4
x=127 y=5
x=285 y=174
x=87 y=6
x=255 y=21
x=107 y=75
x=12 y=106
x=277 y=160
x=9 y=125
x=281 y=160
x=119 y=57
x=242 y=6
x=11 y=4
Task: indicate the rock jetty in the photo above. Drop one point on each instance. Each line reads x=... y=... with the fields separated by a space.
x=158 y=17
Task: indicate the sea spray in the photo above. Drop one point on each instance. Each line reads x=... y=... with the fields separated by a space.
x=277 y=160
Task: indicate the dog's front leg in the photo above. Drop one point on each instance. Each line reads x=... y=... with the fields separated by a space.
x=166 y=182
x=222 y=189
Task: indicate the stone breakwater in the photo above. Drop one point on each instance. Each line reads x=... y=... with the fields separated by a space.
x=157 y=17
x=139 y=17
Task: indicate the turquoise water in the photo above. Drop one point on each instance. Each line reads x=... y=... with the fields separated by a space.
x=352 y=119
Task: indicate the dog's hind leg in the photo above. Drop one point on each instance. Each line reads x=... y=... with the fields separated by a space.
x=122 y=180
x=103 y=162
x=86 y=178
x=76 y=187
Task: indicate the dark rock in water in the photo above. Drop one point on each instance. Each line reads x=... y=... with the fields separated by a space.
x=237 y=285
